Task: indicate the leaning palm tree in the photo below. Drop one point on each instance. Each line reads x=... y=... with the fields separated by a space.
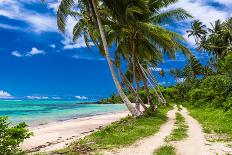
x=91 y=10
x=138 y=34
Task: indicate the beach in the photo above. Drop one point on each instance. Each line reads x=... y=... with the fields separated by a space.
x=58 y=134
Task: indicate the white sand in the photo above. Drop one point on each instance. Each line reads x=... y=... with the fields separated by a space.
x=60 y=134
x=56 y=135
x=147 y=146
x=194 y=144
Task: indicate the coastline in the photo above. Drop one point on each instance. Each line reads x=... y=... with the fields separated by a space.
x=58 y=134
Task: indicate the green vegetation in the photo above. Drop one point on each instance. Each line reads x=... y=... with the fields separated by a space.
x=214 y=120
x=121 y=133
x=165 y=150
x=113 y=99
x=11 y=137
x=207 y=90
x=180 y=132
x=135 y=29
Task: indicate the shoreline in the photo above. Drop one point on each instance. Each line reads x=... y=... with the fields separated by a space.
x=80 y=117
x=58 y=134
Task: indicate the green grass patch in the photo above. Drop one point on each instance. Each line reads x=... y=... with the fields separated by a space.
x=180 y=132
x=165 y=150
x=214 y=121
x=120 y=133
x=179 y=107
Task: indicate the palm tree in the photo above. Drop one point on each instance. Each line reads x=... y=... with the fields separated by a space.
x=198 y=31
x=193 y=68
x=162 y=73
x=93 y=13
x=132 y=25
x=177 y=74
x=144 y=39
x=216 y=40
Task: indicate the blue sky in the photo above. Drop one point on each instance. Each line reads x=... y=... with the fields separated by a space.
x=38 y=62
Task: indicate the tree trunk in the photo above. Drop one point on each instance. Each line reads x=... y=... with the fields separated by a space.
x=156 y=83
x=131 y=88
x=156 y=93
x=129 y=105
x=143 y=76
x=137 y=105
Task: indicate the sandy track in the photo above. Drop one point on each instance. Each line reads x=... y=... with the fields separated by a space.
x=147 y=146
x=195 y=143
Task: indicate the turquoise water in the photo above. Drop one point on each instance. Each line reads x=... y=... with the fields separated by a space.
x=41 y=112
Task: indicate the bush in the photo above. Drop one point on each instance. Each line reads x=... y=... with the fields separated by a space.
x=228 y=104
x=12 y=136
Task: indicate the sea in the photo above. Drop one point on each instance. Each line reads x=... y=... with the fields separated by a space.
x=38 y=112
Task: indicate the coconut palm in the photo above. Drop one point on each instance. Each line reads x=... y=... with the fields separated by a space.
x=90 y=8
x=216 y=40
x=198 y=31
x=139 y=37
x=162 y=72
x=193 y=68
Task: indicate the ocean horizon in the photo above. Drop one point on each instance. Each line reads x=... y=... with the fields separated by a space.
x=37 y=112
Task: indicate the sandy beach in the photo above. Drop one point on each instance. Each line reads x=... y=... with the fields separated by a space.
x=59 y=134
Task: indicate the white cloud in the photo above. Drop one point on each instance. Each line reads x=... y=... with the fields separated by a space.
x=56 y=98
x=87 y=57
x=5 y=26
x=54 y=5
x=37 y=97
x=225 y=2
x=5 y=95
x=13 y=9
x=35 y=51
x=75 y=45
x=81 y=97
x=157 y=69
x=180 y=80
x=17 y=54
x=202 y=11
x=52 y=46
x=163 y=83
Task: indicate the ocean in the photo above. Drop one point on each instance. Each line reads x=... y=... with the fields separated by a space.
x=37 y=112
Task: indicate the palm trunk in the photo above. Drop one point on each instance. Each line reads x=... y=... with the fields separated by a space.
x=143 y=76
x=129 y=105
x=146 y=74
x=156 y=83
x=131 y=89
x=137 y=105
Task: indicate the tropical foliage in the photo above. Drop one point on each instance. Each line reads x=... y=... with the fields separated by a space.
x=135 y=28
x=12 y=136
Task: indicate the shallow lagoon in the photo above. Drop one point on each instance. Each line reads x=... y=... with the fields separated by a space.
x=35 y=112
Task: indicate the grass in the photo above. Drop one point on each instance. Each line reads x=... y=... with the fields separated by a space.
x=118 y=134
x=179 y=107
x=214 y=121
x=180 y=132
x=165 y=150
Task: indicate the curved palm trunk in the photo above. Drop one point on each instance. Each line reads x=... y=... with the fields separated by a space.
x=131 y=88
x=129 y=105
x=156 y=83
x=156 y=93
x=137 y=105
x=143 y=76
